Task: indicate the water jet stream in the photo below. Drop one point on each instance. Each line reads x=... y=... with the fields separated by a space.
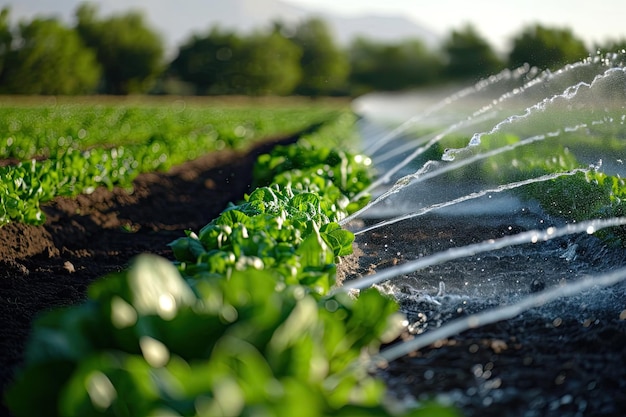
x=423 y=174
x=531 y=236
x=494 y=315
x=581 y=90
x=554 y=86
x=507 y=132
x=472 y=196
x=513 y=77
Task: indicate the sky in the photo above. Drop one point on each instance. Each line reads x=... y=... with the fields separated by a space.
x=498 y=21
x=593 y=21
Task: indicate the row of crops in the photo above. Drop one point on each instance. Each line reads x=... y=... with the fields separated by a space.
x=578 y=188
x=66 y=148
x=577 y=195
x=245 y=321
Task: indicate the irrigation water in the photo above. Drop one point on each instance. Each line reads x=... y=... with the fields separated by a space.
x=475 y=229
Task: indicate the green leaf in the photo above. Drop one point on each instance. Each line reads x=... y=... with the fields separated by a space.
x=37 y=389
x=339 y=239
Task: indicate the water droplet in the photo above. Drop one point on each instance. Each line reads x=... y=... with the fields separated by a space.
x=560 y=379
x=475 y=141
x=537 y=285
x=448 y=155
x=331 y=305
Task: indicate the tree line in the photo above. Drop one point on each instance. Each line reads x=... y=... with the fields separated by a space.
x=121 y=54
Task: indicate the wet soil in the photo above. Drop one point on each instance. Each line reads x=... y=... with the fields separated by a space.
x=563 y=359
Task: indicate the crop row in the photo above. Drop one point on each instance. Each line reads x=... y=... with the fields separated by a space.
x=75 y=150
x=47 y=129
x=578 y=196
x=244 y=322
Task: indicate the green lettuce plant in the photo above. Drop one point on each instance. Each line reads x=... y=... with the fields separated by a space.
x=242 y=324
x=149 y=342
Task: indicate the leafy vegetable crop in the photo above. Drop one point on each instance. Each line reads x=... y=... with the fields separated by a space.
x=276 y=230
x=149 y=343
x=577 y=197
x=242 y=324
x=48 y=128
x=80 y=148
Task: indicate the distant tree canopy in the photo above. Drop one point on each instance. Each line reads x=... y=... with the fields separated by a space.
x=6 y=37
x=546 y=48
x=469 y=55
x=205 y=61
x=130 y=53
x=325 y=67
x=377 y=66
x=50 y=59
x=122 y=54
x=270 y=64
x=225 y=63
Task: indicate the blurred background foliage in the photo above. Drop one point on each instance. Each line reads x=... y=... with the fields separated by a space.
x=122 y=54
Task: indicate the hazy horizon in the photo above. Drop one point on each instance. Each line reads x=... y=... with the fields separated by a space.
x=498 y=24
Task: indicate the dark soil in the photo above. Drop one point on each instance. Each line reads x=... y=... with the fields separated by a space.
x=85 y=238
x=566 y=358
x=526 y=367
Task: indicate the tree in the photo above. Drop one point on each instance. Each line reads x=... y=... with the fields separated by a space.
x=270 y=65
x=205 y=61
x=224 y=63
x=325 y=67
x=377 y=66
x=469 y=55
x=546 y=48
x=130 y=52
x=48 y=59
x=6 y=37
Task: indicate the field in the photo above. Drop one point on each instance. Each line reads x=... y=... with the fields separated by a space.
x=82 y=230
x=92 y=235
x=81 y=237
